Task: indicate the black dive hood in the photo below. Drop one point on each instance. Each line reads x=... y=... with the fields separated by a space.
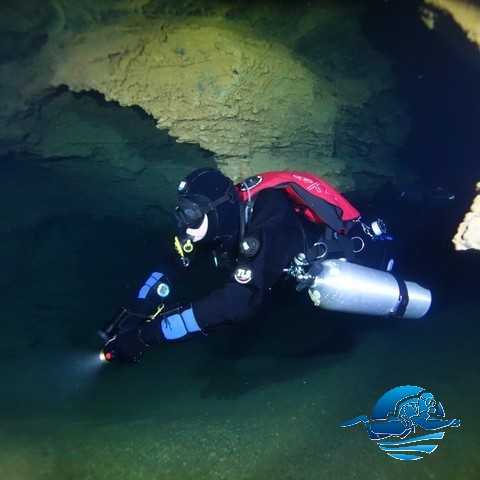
x=207 y=191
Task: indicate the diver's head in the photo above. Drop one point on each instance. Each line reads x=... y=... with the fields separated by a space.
x=428 y=399
x=208 y=209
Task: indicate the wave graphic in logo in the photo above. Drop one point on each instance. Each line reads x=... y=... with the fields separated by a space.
x=398 y=413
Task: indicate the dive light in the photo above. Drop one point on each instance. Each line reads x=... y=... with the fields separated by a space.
x=113 y=326
x=156 y=288
x=123 y=320
x=105 y=357
x=126 y=320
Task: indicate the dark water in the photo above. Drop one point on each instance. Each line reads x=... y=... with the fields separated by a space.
x=264 y=400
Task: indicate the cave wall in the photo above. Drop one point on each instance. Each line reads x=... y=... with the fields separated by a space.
x=465 y=13
x=105 y=93
x=231 y=78
x=242 y=99
x=440 y=16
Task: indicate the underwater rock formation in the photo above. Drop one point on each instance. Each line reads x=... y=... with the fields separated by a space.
x=464 y=12
x=467 y=15
x=468 y=233
x=235 y=81
x=239 y=97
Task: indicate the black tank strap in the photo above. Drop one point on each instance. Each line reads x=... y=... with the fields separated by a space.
x=403 y=298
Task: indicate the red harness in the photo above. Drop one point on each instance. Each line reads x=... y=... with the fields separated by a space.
x=314 y=198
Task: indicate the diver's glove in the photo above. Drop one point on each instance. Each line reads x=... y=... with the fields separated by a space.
x=128 y=345
x=125 y=347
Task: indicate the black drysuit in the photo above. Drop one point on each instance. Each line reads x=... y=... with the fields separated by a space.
x=282 y=234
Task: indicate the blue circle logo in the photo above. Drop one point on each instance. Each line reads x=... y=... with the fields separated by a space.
x=398 y=413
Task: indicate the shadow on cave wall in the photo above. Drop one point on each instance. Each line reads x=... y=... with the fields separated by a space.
x=133 y=125
x=439 y=84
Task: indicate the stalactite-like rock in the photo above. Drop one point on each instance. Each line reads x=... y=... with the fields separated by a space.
x=468 y=233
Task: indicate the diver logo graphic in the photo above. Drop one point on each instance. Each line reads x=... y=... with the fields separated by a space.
x=397 y=413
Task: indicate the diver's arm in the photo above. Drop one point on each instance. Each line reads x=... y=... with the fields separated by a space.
x=227 y=305
x=221 y=308
x=178 y=324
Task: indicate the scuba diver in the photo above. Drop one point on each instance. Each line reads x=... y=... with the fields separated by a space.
x=270 y=226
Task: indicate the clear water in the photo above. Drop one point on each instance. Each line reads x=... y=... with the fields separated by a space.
x=264 y=400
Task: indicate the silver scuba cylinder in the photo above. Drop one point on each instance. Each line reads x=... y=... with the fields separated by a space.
x=347 y=287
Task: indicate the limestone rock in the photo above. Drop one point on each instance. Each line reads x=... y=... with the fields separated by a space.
x=235 y=80
x=230 y=93
x=464 y=12
x=468 y=233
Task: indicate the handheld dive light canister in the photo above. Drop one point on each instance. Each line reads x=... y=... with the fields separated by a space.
x=347 y=287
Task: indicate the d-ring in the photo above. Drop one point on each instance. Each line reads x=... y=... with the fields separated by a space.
x=324 y=246
x=362 y=244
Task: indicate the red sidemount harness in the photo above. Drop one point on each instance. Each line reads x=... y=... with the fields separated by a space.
x=314 y=198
